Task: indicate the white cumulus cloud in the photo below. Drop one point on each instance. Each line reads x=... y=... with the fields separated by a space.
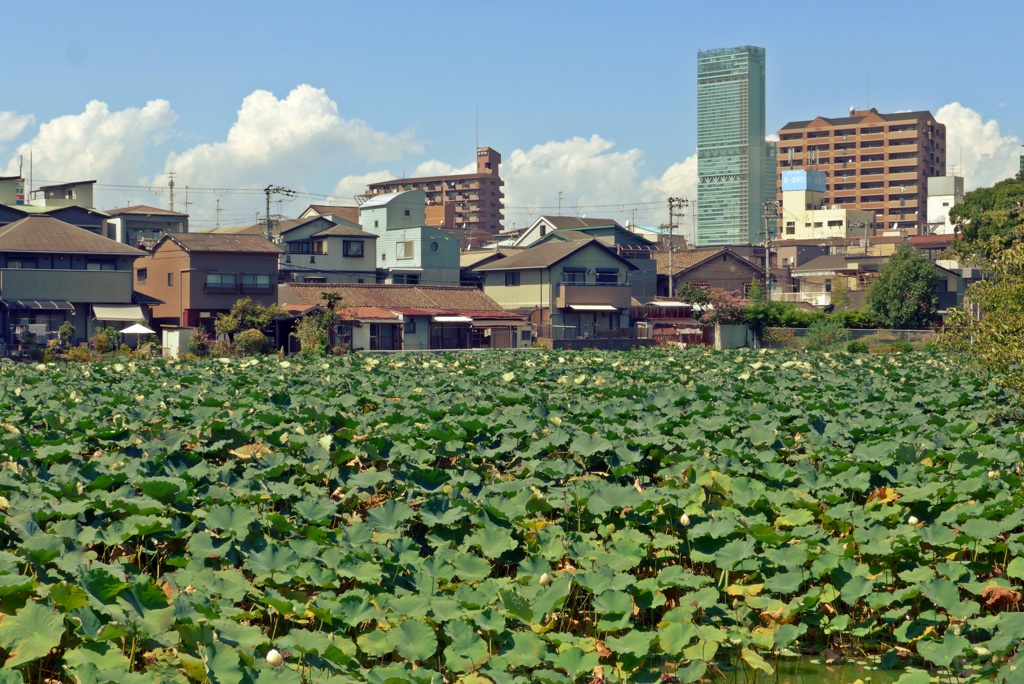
x=96 y=144
x=13 y=124
x=276 y=141
x=977 y=149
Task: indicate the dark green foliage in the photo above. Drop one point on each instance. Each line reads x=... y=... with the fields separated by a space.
x=252 y=341
x=903 y=294
x=514 y=517
x=857 y=347
x=990 y=219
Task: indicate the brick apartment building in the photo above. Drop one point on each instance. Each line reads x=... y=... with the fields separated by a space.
x=467 y=205
x=873 y=162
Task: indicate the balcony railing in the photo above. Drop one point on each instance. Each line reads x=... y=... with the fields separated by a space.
x=814 y=298
x=113 y=287
x=593 y=294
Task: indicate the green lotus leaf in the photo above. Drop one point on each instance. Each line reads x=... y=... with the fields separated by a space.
x=30 y=633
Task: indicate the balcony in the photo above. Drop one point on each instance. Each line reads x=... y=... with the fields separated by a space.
x=593 y=294
x=813 y=298
x=108 y=287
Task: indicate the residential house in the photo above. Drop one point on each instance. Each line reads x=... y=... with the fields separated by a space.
x=428 y=317
x=722 y=268
x=817 y=278
x=318 y=249
x=408 y=251
x=76 y=194
x=469 y=261
x=629 y=245
x=141 y=226
x=52 y=272
x=569 y=288
x=539 y=229
x=199 y=275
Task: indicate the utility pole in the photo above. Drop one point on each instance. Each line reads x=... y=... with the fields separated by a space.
x=274 y=190
x=170 y=184
x=771 y=212
x=559 y=202
x=675 y=209
x=187 y=203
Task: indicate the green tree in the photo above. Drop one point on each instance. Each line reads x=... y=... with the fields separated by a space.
x=990 y=219
x=840 y=294
x=246 y=314
x=989 y=328
x=903 y=294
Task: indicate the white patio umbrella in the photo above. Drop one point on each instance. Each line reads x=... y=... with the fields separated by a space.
x=137 y=329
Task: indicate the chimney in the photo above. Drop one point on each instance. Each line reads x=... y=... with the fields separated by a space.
x=852 y=110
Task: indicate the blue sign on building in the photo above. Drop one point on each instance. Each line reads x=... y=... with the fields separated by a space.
x=814 y=181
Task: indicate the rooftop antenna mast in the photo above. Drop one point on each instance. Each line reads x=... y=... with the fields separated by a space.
x=170 y=184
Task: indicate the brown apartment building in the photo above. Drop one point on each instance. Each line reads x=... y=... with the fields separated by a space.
x=873 y=162
x=465 y=204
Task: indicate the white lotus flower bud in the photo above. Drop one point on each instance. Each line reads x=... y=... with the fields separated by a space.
x=684 y=520
x=545 y=579
x=274 y=658
x=912 y=520
x=993 y=474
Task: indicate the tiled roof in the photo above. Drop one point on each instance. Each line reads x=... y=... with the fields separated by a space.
x=46 y=234
x=545 y=255
x=142 y=210
x=567 y=222
x=687 y=259
x=348 y=213
x=220 y=242
x=392 y=297
x=346 y=230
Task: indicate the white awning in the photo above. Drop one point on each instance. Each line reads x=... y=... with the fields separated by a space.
x=117 y=312
x=452 y=319
x=592 y=307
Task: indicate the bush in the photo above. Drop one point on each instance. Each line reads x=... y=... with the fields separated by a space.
x=826 y=334
x=66 y=331
x=252 y=341
x=220 y=349
x=101 y=342
x=857 y=347
x=199 y=343
x=78 y=355
x=902 y=346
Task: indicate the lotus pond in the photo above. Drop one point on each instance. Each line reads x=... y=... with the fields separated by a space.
x=508 y=517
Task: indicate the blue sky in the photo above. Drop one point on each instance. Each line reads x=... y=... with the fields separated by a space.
x=593 y=99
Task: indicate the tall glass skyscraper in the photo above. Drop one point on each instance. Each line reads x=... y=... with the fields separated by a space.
x=731 y=159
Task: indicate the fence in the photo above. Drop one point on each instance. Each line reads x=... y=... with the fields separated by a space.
x=785 y=338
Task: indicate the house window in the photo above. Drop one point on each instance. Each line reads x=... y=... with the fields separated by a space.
x=140 y=276
x=434 y=246
x=574 y=275
x=220 y=282
x=376 y=224
x=407 y=279
x=828 y=284
x=410 y=326
x=21 y=263
x=405 y=249
x=512 y=279
x=352 y=248
x=314 y=279
x=406 y=212
x=255 y=282
x=608 y=276
x=98 y=265
x=170 y=279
